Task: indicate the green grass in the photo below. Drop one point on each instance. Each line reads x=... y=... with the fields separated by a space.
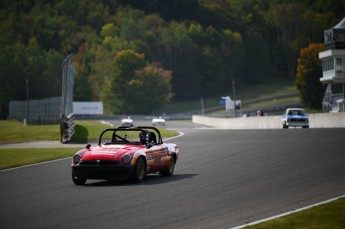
x=273 y=102
x=15 y=131
x=9 y=158
x=273 y=88
x=331 y=215
x=88 y=130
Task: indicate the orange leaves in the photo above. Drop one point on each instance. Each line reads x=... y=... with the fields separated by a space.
x=308 y=76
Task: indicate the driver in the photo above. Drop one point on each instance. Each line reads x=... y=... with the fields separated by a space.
x=143 y=136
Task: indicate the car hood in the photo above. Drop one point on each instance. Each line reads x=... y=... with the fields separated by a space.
x=109 y=152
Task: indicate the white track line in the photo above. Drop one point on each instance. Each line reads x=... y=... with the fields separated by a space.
x=39 y=163
x=287 y=213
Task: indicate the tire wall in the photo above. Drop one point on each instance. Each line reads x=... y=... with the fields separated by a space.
x=318 y=120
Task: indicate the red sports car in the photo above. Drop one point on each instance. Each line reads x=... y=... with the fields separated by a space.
x=125 y=153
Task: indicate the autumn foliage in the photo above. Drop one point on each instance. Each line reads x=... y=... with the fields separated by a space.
x=309 y=72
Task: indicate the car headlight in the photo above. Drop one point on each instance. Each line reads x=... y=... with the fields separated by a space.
x=76 y=159
x=127 y=159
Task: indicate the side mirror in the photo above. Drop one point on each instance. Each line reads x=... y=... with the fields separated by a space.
x=88 y=146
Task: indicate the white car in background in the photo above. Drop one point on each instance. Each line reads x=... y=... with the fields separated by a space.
x=127 y=122
x=295 y=117
x=158 y=121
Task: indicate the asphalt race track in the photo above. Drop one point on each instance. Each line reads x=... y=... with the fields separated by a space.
x=224 y=178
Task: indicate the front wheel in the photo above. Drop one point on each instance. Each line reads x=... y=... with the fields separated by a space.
x=139 y=170
x=78 y=181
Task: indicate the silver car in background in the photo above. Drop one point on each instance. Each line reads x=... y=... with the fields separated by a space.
x=295 y=117
x=158 y=121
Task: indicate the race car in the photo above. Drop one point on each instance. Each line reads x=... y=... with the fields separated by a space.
x=127 y=122
x=158 y=121
x=125 y=153
x=295 y=117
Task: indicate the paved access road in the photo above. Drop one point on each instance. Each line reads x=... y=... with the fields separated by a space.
x=224 y=178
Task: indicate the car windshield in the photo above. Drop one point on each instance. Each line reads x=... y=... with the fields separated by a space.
x=129 y=136
x=296 y=112
x=120 y=137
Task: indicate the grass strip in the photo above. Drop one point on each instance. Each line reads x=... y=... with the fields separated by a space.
x=276 y=102
x=330 y=215
x=14 y=157
x=15 y=132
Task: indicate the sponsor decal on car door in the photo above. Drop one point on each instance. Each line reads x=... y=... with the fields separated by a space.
x=155 y=158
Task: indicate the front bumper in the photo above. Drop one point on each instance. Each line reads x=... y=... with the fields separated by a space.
x=127 y=124
x=102 y=172
x=297 y=123
x=158 y=123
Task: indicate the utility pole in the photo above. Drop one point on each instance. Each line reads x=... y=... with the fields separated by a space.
x=27 y=102
x=234 y=95
x=202 y=106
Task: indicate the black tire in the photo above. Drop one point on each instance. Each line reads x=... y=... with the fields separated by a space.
x=78 y=181
x=170 y=170
x=139 y=171
x=305 y=126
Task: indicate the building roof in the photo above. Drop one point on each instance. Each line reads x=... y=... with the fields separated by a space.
x=334 y=38
x=340 y=25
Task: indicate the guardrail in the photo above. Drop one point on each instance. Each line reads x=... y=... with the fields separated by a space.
x=67 y=128
x=67 y=116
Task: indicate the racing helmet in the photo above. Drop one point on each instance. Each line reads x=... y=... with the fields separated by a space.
x=143 y=136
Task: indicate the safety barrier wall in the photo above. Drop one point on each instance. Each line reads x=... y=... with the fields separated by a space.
x=319 y=120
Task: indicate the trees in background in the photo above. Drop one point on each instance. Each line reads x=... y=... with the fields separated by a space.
x=189 y=48
x=309 y=70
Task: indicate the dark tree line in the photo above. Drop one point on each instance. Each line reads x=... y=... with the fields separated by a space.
x=128 y=51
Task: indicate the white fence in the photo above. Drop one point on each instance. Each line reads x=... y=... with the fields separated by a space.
x=319 y=120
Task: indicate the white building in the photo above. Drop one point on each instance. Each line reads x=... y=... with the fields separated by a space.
x=333 y=68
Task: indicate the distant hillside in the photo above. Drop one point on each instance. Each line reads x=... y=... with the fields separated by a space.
x=127 y=52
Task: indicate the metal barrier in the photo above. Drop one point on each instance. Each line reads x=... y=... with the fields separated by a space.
x=67 y=126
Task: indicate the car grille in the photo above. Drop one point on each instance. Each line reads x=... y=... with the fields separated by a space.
x=99 y=162
x=297 y=120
